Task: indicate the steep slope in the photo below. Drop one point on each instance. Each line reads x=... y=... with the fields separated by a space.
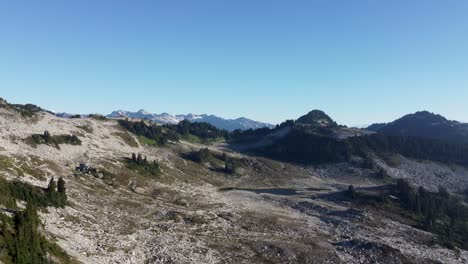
x=219 y=122
x=425 y=124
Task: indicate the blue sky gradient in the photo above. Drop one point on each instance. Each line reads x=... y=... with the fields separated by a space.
x=361 y=61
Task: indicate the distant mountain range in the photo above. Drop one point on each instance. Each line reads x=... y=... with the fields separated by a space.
x=219 y=122
x=425 y=124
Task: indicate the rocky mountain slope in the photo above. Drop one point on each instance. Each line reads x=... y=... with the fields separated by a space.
x=196 y=212
x=219 y=122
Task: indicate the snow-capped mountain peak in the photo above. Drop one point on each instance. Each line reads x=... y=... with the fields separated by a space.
x=166 y=118
x=143 y=112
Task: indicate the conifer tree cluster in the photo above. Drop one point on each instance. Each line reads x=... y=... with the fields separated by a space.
x=48 y=139
x=307 y=145
x=21 y=240
x=166 y=133
x=56 y=192
x=154 y=132
x=143 y=166
x=54 y=195
x=441 y=212
x=232 y=165
x=201 y=156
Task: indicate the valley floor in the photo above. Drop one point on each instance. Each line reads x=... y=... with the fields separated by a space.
x=199 y=224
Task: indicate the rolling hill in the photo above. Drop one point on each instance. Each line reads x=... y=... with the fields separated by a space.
x=425 y=124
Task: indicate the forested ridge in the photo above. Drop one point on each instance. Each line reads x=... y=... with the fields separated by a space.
x=312 y=145
x=163 y=134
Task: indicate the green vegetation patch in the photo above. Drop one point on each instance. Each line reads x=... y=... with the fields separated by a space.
x=6 y=199
x=202 y=156
x=198 y=140
x=146 y=141
x=48 y=139
x=223 y=162
x=192 y=138
x=162 y=135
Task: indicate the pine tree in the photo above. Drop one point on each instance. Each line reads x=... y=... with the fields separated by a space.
x=61 y=189
x=52 y=193
x=46 y=136
x=29 y=243
x=52 y=186
x=61 y=185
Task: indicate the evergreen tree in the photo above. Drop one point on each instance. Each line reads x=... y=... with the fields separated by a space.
x=30 y=244
x=52 y=186
x=52 y=193
x=61 y=189
x=61 y=185
x=46 y=136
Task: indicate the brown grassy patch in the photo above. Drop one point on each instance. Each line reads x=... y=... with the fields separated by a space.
x=8 y=165
x=127 y=138
x=34 y=166
x=87 y=129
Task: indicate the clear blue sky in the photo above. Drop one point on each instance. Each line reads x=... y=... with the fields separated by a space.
x=360 y=61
